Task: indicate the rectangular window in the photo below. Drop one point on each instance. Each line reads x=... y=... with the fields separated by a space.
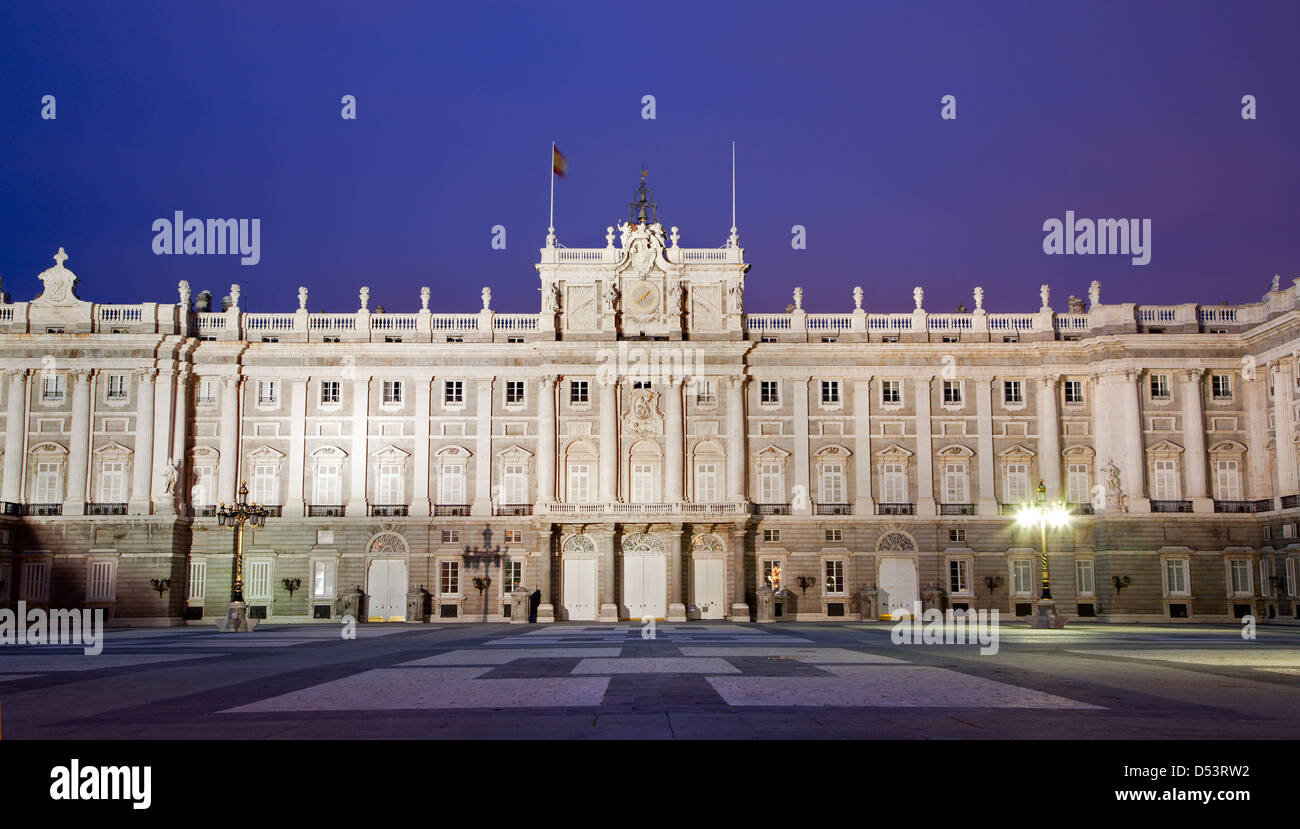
x=706 y=483
x=1227 y=481
x=1176 y=576
x=36 y=581
x=771 y=536
x=836 y=536
x=390 y=484
x=706 y=393
x=453 y=391
x=259 y=580
x=955 y=484
x=772 y=574
x=451 y=484
x=514 y=483
x=579 y=483
x=322 y=583
x=957 y=536
x=769 y=391
x=579 y=391
x=264 y=488
x=514 y=537
x=1239 y=568
x=894 y=483
x=830 y=392
x=1015 y=487
x=1078 y=483
x=1290 y=576
x=117 y=387
x=1012 y=392
x=1265 y=582
x=771 y=481
x=449 y=578
x=833 y=483
x=51 y=386
x=327 y=484
x=1022 y=577
x=959 y=576
x=198 y=588
x=392 y=391
x=1160 y=387
x=49 y=483
x=643 y=483
x=890 y=391
x=451 y=536
x=835 y=576
x=1073 y=391
x=1084 y=577
x=112 y=483
x=207 y=391
x=329 y=392
x=512 y=574
x=99 y=581
x=952 y=391
x=514 y=392
x=268 y=392
x=1164 y=483
x=1221 y=386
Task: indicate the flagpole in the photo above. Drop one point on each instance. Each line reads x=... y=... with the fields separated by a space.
x=733 y=185
x=551 y=229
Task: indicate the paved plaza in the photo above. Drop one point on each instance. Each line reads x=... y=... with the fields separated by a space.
x=696 y=680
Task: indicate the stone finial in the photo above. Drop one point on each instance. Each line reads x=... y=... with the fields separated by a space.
x=734 y=239
x=424 y=298
x=60 y=257
x=550 y=237
x=798 y=299
x=609 y=236
x=486 y=293
x=1094 y=293
x=674 y=237
x=1075 y=305
x=979 y=298
x=918 y=296
x=204 y=301
x=364 y=293
x=1277 y=280
x=857 y=298
x=184 y=288
x=302 y=297
x=1045 y=294
x=234 y=296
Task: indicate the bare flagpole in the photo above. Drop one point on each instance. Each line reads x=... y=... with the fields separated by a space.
x=551 y=229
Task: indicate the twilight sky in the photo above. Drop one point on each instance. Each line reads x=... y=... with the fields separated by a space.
x=1124 y=109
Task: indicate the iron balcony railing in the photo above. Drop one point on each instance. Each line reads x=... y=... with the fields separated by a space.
x=956 y=509
x=896 y=509
x=325 y=511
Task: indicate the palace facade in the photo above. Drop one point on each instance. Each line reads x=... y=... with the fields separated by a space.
x=645 y=446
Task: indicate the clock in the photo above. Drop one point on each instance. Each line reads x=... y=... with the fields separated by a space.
x=643 y=298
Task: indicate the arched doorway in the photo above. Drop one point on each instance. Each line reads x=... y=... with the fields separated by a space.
x=386 y=578
x=578 y=588
x=896 y=572
x=645 y=577
x=708 y=563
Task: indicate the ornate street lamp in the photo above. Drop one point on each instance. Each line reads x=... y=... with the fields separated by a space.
x=1041 y=514
x=233 y=518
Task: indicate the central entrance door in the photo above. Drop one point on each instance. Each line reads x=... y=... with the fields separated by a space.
x=645 y=577
x=386 y=587
x=897 y=581
x=579 y=603
x=708 y=587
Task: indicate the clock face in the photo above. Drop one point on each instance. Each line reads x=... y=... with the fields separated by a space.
x=643 y=297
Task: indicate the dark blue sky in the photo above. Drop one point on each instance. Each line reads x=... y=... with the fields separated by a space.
x=1125 y=109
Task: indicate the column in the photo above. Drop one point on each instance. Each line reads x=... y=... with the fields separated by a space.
x=1049 y=437
x=1284 y=427
x=608 y=602
x=673 y=543
x=1194 y=435
x=801 y=500
x=178 y=497
x=673 y=428
x=1100 y=433
x=736 y=461
x=15 y=427
x=546 y=430
x=228 y=468
x=738 y=587
x=74 y=500
x=482 y=503
x=1131 y=439
x=142 y=462
x=608 y=440
x=294 y=505
x=1258 y=480
x=986 y=460
x=924 y=450
x=420 y=464
x=357 y=489
x=160 y=466
x=545 y=550
x=862 y=504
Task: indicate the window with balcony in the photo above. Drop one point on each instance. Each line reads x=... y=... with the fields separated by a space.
x=706 y=482
x=1015 y=484
x=893 y=483
x=956 y=484
x=265 y=490
x=112 y=482
x=514 y=483
x=1078 y=483
x=579 y=484
x=771 y=482
x=390 y=484
x=1227 y=480
x=1164 y=480
x=451 y=484
x=328 y=489
x=832 y=483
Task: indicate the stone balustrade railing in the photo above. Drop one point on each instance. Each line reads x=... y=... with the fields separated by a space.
x=610 y=255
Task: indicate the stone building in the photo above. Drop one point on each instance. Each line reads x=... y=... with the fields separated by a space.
x=645 y=446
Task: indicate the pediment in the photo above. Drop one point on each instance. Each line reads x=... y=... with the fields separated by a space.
x=1019 y=450
x=113 y=448
x=515 y=451
x=893 y=450
x=773 y=449
x=1165 y=447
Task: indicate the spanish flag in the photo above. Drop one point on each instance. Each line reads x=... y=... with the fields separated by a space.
x=559 y=164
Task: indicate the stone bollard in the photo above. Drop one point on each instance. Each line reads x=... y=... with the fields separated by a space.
x=766 y=605
x=519 y=605
x=868 y=605
x=932 y=597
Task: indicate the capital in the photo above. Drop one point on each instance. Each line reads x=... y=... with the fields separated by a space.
x=1195 y=374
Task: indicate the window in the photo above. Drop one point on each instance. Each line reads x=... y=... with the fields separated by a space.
x=264 y=488
x=268 y=392
x=514 y=536
x=894 y=483
x=99 y=581
x=112 y=483
x=1073 y=391
x=198 y=581
x=329 y=392
x=1015 y=486
x=390 y=484
x=771 y=482
x=1022 y=577
x=1227 y=481
x=36 y=581
x=956 y=489
x=1265 y=582
x=830 y=392
x=1221 y=386
x=1160 y=387
x=51 y=387
x=642 y=384
x=453 y=391
x=579 y=391
x=706 y=483
x=512 y=574
x=327 y=484
x=514 y=484
x=643 y=483
x=958 y=535
x=771 y=536
x=1084 y=577
x=451 y=536
x=322 y=583
x=579 y=490
x=772 y=574
x=514 y=392
x=833 y=483
x=117 y=387
x=449 y=578
x=451 y=484
x=835 y=576
x=1290 y=577
x=207 y=392
x=1176 y=576
x=1078 y=483
x=836 y=536
x=49 y=483
x=769 y=392
x=1012 y=392
x=392 y=392
x=959 y=576
x=890 y=392
x=952 y=392
x=259 y=580
x=1239 y=569
x=1164 y=483
x=706 y=393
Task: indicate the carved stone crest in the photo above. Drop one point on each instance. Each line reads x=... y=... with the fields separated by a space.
x=643 y=415
x=60 y=284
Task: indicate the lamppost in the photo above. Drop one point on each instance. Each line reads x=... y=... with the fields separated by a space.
x=1041 y=514
x=233 y=518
